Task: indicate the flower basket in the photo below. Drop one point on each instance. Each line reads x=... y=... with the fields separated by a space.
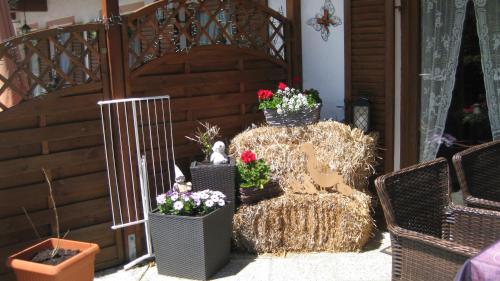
x=79 y=267
x=192 y=247
x=254 y=195
x=220 y=177
x=292 y=119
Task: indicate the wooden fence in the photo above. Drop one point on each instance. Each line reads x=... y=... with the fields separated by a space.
x=211 y=57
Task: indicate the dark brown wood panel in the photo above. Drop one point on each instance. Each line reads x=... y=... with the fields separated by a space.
x=369 y=66
x=215 y=83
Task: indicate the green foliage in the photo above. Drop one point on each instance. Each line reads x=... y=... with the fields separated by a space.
x=254 y=174
x=271 y=104
x=313 y=97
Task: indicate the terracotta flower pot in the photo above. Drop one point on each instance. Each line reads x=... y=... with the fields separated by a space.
x=77 y=268
x=254 y=194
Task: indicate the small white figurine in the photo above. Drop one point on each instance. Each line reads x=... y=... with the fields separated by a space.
x=180 y=185
x=219 y=155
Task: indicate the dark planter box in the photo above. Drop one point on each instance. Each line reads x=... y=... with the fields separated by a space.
x=215 y=177
x=192 y=247
x=254 y=195
x=293 y=119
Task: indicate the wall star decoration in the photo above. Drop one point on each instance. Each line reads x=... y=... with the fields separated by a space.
x=325 y=20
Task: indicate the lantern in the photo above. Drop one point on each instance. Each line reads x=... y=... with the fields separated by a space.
x=25 y=29
x=361 y=114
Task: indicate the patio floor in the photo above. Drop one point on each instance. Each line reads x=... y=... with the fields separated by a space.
x=373 y=264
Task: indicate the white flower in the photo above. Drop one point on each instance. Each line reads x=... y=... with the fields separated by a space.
x=174 y=197
x=204 y=195
x=287 y=89
x=161 y=199
x=221 y=202
x=280 y=111
x=220 y=194
x=197 y=202
x=178 y=205
x=214 y=198
x=185 y=198
x=209 y=203
x=195 y=196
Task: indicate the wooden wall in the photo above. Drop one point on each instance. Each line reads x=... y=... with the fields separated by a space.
x=369 y=66
x=62 y=134
x=211 y=83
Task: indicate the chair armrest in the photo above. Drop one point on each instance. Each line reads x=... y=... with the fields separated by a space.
x=439 y=244
x=417 y=256
x=476 y=228
x=475 y=202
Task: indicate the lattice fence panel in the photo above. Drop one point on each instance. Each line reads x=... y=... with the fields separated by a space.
x=172 y=26
x=52 y=60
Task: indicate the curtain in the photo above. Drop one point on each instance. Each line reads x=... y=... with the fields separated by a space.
x=8 y=98
x=441 y=37
x=488 y=30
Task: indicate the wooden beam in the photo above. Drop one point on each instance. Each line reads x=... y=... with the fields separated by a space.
x=410 y=82
x=110 y=11
x=389 y=85
x=293 y=13
x=117 y=81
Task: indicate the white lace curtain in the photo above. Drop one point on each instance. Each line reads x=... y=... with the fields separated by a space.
x=488 y=29
x=442 y=26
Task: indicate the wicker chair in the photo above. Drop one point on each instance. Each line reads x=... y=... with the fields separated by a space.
x=478 y=171
x=431 y=238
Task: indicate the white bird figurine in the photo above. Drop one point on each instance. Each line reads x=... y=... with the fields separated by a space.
x=219 y=155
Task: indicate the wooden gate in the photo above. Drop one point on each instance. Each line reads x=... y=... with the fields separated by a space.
x=63 y=73
x=211 y=57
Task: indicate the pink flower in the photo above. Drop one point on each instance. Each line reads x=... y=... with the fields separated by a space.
x=282 y=86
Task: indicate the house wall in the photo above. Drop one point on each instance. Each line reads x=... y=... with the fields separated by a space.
x=322 y=62
x=83 y=11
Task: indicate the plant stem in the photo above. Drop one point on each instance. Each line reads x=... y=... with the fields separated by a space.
x=47 y=176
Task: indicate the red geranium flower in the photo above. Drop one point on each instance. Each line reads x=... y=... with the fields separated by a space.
x=248 y=157
x=264 y=94
x=282 y=86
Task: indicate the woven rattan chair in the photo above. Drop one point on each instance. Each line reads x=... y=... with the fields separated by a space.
x=478 y=171
x=431 y=238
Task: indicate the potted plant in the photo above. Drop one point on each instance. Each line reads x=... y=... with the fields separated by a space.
x=207 y=174
x=55 y=259
x=191 y=233
x=255 y=180
x=289 y=106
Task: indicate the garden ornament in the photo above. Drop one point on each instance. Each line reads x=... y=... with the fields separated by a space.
x=180 y=185
x=219 y=155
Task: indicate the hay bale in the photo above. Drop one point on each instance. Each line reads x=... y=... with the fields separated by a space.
x=347 y=150
x=307 y=223
x=299 y=223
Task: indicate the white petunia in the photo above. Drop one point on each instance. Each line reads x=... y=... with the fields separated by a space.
x=174 y=197
x=221 y=202
x=161 y=199
x=178 y=205
x=209 y=203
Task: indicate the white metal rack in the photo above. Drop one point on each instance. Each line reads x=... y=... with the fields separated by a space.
x=138 y=142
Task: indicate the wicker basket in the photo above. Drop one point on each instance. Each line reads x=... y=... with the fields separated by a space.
x=220 y=177
x=254 y=195
x=192 y=247
x=300 y=118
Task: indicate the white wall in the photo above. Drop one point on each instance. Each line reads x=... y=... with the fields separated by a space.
x=322 y=62
x=83 y=10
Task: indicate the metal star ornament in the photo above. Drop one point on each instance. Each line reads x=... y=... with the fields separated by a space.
x=325 y=20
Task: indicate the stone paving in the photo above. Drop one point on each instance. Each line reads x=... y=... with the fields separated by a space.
x=373 y=264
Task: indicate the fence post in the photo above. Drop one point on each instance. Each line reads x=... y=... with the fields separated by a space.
x=118 y=87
